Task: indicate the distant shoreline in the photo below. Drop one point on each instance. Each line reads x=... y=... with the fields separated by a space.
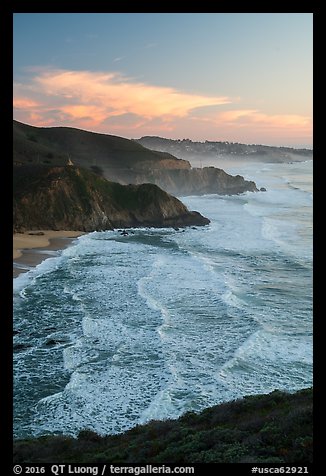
x=29 y=250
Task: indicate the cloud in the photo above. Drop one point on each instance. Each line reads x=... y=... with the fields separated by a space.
x=25 y=103
x=118 y=58
x=251 y=116
x=110 y=102
x=96 y=96
x=254 y=126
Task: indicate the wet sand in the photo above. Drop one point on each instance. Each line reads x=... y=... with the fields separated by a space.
x=30 y=250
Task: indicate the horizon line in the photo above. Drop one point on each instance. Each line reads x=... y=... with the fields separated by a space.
x=306 y=147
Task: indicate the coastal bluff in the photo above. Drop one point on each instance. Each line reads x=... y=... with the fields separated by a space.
x=121 y=160
x=198 y=181
x=73 y=198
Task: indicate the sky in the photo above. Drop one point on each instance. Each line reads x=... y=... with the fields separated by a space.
x=238 y=77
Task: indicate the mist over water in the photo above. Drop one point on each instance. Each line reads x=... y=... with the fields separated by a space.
x=119 y=330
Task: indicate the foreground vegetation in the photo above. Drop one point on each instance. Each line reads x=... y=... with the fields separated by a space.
x=273 y=428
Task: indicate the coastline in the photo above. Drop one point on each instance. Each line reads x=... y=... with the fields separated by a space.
x=29 y=250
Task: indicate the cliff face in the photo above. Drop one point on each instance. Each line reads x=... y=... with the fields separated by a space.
x=197 y=181
x=69 y=198
x=120 y=160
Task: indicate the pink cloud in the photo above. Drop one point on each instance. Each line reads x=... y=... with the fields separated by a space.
x=25 y=103
x=252 y=116
x=111 y=103
x=112 y=94
x=88 y=99
x=254 y=126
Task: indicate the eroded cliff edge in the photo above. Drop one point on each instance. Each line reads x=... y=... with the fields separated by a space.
x=120 y=160
x=197 y=181
x=72 y=198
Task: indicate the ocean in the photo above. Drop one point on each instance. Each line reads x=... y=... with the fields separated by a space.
x=116 y=331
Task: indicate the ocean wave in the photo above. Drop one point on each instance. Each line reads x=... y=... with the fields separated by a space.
x=122 y=330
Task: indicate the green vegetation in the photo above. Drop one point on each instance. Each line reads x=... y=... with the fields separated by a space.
x=85 y=149
x=119 y=160
x=72 y=198
x=273 y=428
x=32 y=137
x=97 y=170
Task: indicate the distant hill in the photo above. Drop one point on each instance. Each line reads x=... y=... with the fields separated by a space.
x=119 y=160
x=72 y=198
x=187 y=149
x=199 y=181
x=260 y=429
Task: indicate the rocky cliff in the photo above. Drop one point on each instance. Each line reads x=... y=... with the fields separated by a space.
x=196 y=181
x=72 y=198
x=119 y=160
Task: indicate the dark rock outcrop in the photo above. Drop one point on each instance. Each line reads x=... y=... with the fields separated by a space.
x=71 y=198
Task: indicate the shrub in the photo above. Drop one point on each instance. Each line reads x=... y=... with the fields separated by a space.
x=32 y=137
x=89 y=435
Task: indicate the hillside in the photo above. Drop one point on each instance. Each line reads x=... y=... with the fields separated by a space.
x=187 y=149
x=119 y=160
x=56 y=145
x=72 y=198
x=273 y=428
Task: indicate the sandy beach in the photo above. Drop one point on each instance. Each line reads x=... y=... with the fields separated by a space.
x=30 y=248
